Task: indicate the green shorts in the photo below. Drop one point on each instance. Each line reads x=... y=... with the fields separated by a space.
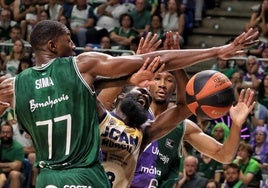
x=93 y=177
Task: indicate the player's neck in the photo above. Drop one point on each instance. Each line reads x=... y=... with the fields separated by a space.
x=158 y=108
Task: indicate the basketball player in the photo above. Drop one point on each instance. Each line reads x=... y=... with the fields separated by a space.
x=158 y=163
x=56 y=103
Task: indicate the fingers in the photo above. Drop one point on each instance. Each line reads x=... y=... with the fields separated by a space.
x=247 y=97
x=140 y=46
x=154 y=65
x=4 y=104
x=145 y=64
x=147 y=38
x=246 y=38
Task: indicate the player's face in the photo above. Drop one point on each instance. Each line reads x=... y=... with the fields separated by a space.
x=135 y=105
x=163 y=88
x=65 y=46
x=143 y=96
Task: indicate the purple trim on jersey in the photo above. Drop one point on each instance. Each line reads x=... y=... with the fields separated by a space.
x=145 y=169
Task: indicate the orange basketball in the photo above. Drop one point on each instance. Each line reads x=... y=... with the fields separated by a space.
x=209 y=94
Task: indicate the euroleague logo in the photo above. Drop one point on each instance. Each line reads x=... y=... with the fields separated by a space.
x=220 y=80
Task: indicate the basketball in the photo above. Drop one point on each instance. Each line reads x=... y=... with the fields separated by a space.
x=209 y=94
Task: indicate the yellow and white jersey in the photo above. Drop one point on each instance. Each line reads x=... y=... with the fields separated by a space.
x=120 y=145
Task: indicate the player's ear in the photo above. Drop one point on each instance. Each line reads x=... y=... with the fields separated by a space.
x=52 y=46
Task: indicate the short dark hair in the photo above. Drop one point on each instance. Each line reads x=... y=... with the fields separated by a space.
x=126 y=15
x=46 y=30
x=232 y=165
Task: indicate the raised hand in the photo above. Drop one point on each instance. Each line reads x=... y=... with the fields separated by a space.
x=244 y=106
x=144 y=77
x=170 y=43
x=149 y=44
x=244 y=40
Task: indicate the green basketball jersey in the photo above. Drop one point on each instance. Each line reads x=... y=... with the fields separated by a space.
x=57 y=108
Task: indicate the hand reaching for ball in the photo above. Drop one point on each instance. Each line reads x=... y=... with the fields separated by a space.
x=244 y=106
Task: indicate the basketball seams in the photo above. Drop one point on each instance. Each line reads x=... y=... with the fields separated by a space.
x=209 y=94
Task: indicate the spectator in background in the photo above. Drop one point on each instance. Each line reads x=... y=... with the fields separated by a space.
x=156 y=26
x=25 y=63
x=209 y=168
x=212 y=184
x=259 y=17
x=263 y=91
x=174 y=19
x=231 y=177
x=15 y=34
x=259 y=145
x=236 y=80
x=42 y=15
x=220 y=132
x=65 y=20
x=264 y=55
x=250 y=172
x=12 y=156
x=81 y=19
x=7 y=4
x=222 y=65
x=122 y=36
x=259 y=115
x=141 y=17
x=190 y=177
x=108 y=15
x=12 y=61
x=254 y=73
x=25 y=13
x=152 y=6
x=53 y=9
x=205 y=125
x=6 y=23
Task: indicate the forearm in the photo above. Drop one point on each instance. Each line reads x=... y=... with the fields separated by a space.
x=182 y=80
x=177 y=59
x=229 y=148
x=8 y=166
x=120 y=39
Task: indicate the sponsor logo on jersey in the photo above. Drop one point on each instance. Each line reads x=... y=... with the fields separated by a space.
x=161 y=156
x=43 y=83
x=49 y=102
x=169 y=143
x=119 y=139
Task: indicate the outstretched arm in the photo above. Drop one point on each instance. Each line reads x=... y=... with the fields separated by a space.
x=225 y=152
x=93 y=64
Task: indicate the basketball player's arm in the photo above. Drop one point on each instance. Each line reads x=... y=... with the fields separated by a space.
x=95 y=64
x=225 y=152
x=6 y=93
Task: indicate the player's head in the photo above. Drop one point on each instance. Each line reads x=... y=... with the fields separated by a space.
x=134 y=103
x=163 y=88
x=52 y=36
